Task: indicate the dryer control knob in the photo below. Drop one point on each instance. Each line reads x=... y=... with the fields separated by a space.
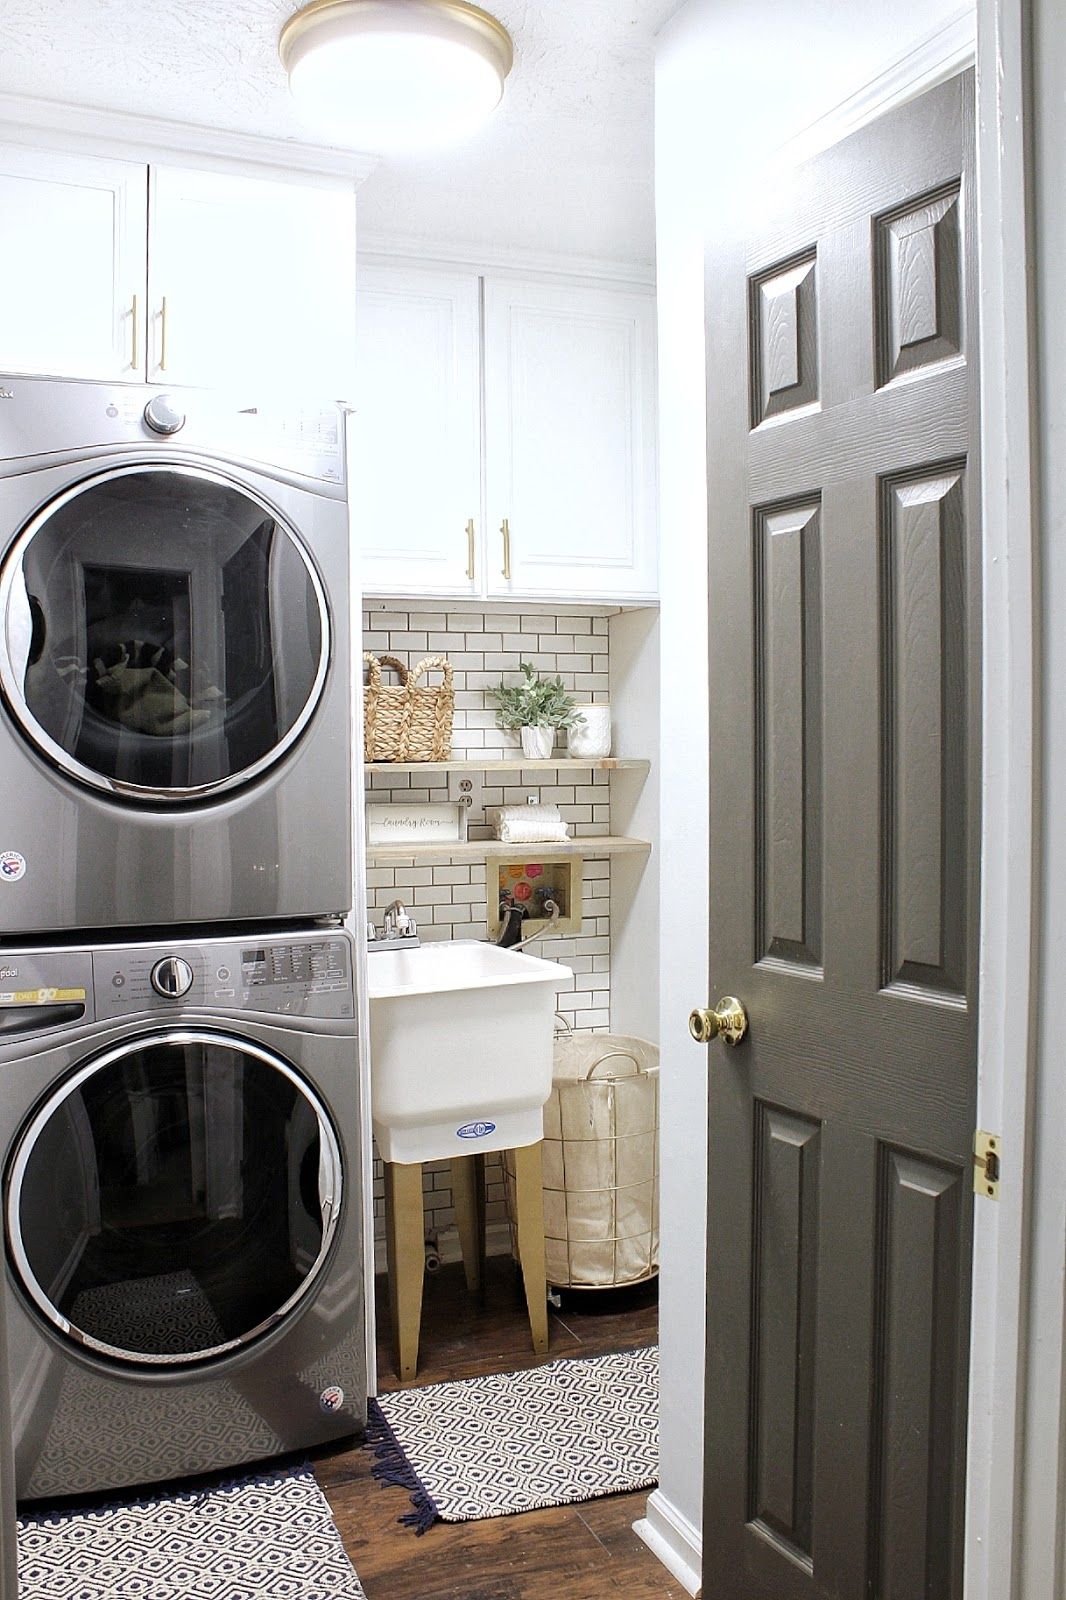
x=163 y=416
x=172 y=977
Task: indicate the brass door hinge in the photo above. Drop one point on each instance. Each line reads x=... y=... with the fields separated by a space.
x=986 y=1164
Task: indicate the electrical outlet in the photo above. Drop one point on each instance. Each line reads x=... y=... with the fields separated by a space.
x=464 y=789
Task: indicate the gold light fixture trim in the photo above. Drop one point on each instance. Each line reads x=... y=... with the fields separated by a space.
x=395 y=75
x=454 y=19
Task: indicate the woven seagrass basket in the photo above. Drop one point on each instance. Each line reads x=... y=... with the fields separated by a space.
x=410 y=720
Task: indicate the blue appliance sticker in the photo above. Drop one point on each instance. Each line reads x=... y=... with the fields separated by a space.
x=475 y=1130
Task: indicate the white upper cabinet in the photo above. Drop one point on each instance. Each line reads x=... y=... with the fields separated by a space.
x=72 y=265
x=251 y=281
x=570 y=440
x=504 y=448
x=111 y=270
x=416 y=436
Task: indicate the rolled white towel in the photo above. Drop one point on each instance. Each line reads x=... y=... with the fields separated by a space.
x=530 y=824
x=533 y=833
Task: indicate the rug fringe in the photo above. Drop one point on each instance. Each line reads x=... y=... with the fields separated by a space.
x=390 y=1465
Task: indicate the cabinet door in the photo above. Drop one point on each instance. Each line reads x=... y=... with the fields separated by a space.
x=416 y=477
x=72 y=265
x=251 y=282
x=570 y=439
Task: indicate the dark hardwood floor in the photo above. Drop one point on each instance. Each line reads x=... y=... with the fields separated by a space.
x=584 y=1552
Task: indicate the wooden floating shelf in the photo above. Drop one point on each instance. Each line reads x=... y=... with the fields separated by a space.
x=516 y=764
x=592 y=847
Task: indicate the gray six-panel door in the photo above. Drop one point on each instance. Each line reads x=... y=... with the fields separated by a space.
x=844 y=830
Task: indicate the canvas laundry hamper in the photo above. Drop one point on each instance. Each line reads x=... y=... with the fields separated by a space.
x=601 y=1162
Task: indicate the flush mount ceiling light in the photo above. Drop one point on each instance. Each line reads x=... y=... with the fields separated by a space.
x=396 y=74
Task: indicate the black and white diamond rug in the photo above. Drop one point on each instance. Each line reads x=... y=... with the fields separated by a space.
x=520 y=1441
x=264 y=1537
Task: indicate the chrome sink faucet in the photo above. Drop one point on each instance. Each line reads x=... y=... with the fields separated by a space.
x=398 y=930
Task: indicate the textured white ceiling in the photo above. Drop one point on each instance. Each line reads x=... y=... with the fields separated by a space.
x=565 y=165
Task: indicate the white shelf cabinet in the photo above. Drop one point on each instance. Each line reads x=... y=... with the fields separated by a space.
x=590 y=847
x=485 y=401
x=416 y=440
x=561 y=764
x=569 y=439
x=73 y=279
x=257 y=275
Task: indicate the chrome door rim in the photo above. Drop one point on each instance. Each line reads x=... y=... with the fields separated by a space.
x=331 y=1188
x=11 y=571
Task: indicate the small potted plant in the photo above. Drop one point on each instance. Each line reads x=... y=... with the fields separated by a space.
x=537 y=707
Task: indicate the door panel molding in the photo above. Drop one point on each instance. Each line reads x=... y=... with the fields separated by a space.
x=787 y=562
x=784 y=1290
x=918 y=284
x=923 y=713
x=913 y=1545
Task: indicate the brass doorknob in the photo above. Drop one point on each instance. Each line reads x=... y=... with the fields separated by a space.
x=728 y=1020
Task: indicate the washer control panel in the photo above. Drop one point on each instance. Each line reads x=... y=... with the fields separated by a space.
x=298 y=974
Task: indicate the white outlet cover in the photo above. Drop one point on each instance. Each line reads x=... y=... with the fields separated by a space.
x=465 y=789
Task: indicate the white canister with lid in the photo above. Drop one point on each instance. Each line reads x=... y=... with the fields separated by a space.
x=592 y=736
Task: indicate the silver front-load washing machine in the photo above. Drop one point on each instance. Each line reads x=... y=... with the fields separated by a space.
x=182 y=1206
x=175 y=694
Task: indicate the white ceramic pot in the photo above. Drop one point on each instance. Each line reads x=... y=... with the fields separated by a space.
x=593 y=736
x=538 y=743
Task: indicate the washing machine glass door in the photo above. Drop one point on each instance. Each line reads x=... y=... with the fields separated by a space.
x=164 y=635
x=174 y=1199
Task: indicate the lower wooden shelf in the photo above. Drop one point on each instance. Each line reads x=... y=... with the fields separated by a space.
x=591 y=847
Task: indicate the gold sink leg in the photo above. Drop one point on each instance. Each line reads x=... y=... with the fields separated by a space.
x=529 y=1226
x=405 y=1247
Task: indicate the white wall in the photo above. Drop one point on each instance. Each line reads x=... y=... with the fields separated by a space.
x=735 y=80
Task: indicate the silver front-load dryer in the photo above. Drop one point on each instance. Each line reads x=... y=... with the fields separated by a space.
x=175 y=698
x=182 y=1206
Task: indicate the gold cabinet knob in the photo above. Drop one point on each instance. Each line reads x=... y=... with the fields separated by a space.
x=728 y=1021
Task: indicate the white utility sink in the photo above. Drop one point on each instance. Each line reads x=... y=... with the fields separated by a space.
x=461 y=1048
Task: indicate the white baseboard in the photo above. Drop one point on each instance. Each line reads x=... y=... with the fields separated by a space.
x=673 y=1539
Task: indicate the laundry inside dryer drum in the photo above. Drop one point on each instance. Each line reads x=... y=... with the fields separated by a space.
x=174 y=1200
x=171 y=635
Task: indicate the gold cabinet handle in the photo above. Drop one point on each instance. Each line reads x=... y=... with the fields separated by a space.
x=163 y=336
x=728 y=1021
x=135 y=322
x=505 y=529
x=470 y=549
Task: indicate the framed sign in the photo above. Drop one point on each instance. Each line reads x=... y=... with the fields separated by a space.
x=430 y=822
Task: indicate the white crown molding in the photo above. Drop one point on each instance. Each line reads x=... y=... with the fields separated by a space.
x=384 y=248
x=950 y=49
x=53 y=124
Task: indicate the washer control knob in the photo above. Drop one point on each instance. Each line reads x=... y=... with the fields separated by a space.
x=163 y=416
x=172 y=977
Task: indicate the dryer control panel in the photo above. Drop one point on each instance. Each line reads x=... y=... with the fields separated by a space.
x=298 y=974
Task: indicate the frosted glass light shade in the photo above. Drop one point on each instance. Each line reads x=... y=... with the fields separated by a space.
x=396 y=74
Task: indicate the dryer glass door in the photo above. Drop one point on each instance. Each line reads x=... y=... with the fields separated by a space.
x=164 y=635
x=175 y=1199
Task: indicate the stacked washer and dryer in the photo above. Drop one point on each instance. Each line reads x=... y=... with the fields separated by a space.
x=179 y=1091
